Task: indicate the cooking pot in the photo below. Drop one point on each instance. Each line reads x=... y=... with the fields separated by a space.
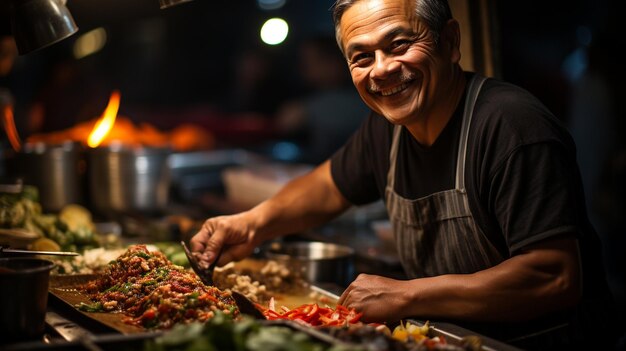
x=319 y=262
x=23 y=298
x=126 y=179
x=57 y=170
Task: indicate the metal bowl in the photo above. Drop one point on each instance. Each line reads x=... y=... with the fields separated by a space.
x=23 y=297
x=319 y=262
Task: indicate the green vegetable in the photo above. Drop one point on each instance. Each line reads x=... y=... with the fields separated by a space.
x=94 y=307
x=142 y=255
x=223 y=333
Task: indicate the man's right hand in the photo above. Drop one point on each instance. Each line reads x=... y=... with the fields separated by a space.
x=234 y=235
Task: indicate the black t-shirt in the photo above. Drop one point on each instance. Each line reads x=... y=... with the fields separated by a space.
x=521 y=176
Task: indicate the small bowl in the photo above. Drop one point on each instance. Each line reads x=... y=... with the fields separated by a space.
x=17 y=238
x=319 y=262
x=384 y=232
x=23 y=298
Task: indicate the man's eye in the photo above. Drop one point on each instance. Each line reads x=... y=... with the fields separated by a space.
x=361 y=59
x=400 y=45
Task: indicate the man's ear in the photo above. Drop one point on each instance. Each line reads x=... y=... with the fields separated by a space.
x=451 y=40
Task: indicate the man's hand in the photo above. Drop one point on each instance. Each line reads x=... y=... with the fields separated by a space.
x=233 y=235
x=380 y=299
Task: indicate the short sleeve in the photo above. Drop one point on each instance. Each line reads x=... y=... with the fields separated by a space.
x=352 y=167
x=534 y=195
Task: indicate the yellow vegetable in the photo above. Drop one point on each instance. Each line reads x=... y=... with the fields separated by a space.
x=45 y=244
x=76 y=216
x=407 y=330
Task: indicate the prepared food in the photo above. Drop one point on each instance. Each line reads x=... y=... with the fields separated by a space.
x=154 y=293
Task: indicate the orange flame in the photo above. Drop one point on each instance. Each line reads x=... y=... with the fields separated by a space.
x=105 y=123
x=9 y=127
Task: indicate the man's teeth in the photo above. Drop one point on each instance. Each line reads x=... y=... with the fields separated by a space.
x=394 y=90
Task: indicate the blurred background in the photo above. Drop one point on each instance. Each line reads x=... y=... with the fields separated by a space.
x=203 y=75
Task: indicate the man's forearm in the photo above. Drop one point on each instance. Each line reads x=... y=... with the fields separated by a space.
x=542 y=280
x=303 y=203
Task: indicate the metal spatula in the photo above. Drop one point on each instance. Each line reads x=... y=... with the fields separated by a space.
x=206 y=276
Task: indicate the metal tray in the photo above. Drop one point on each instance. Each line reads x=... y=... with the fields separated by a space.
x=63 y=291
x=64 y=288
x=125 y=337
x=454 y=334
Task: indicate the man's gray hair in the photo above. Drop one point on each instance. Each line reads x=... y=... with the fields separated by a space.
x=435 y=13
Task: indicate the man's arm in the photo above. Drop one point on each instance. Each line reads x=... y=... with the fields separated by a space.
x=304 y=202
x=542 y=278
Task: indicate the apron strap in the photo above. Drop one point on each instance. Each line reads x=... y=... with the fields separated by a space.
x=391 y=174
x=472 y=95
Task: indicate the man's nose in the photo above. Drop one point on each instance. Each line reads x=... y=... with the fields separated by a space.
x=383 y=65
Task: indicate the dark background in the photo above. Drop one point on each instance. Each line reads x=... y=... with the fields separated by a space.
x=186 y=54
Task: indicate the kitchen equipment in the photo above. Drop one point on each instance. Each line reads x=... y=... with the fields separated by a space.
x=39 y=23
x=200 y=172
x=384 y=233
x=13 y=252
x=56 y=170
x=320 y=262
x=206 y=276
x=17 y=237
x=23 y=297
x=125 y=179
x=251 y=184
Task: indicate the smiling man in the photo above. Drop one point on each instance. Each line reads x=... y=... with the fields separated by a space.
x=479 y=179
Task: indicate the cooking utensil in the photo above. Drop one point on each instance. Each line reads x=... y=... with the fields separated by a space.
x=23 y=297
x=17 y=237
x=56 y=170
x=206 y=276
x=35 y=252
x=125 y=179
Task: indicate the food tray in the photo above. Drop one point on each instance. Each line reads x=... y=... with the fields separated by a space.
x=454 y=334
x=64 y=288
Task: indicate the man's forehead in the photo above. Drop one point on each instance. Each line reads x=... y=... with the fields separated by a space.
x=380 y=15
x=363 y=12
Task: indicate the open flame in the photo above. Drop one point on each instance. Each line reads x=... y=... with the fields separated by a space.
x=105 y=123
x=9 y=126
x=113 y=128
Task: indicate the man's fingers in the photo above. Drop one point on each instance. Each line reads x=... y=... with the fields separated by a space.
x=343 y=299
x=214 y=245
x=198 y=241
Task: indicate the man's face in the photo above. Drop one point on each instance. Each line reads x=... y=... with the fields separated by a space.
x=393 y=60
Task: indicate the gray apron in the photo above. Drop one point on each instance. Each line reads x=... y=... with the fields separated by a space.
x=437 y=234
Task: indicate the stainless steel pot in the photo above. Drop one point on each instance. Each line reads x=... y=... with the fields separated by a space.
x=56 y=170
x=320 y=262
x=125 y=179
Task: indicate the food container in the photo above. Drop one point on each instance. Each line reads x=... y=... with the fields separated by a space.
x=17 y=238
x=57 y=170
x=23 y=298
x=384 y=232
x=250 y=185
x=124 y=179
x=320 y=262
